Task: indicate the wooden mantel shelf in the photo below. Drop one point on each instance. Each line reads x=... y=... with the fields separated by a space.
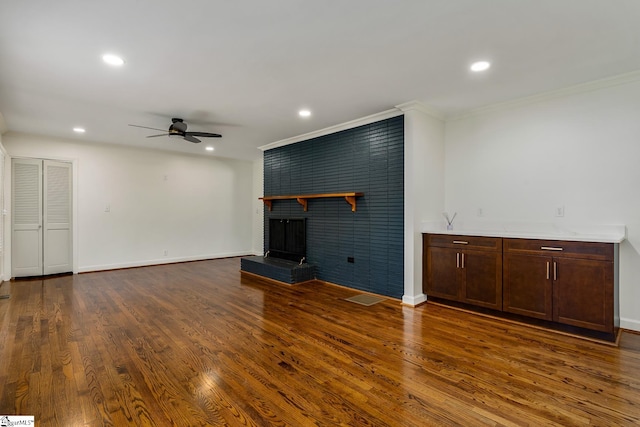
x=303 y=198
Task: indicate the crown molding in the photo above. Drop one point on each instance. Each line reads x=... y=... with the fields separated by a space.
x=333 y=129
x=422 y=107
x=594 y=85
x=394 y=112
x=400 y=109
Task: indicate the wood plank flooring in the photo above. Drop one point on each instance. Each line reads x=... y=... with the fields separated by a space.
x=197 y=344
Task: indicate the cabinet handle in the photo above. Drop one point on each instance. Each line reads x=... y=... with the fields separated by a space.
x=547 y=270
x=555 y=270
x=550 y=248
x=460 y=242
x=457 y=260
x=463 y=260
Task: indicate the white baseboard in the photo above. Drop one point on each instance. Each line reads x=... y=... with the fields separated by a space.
x=159 y=261
x=631 y=324
x=414 y=300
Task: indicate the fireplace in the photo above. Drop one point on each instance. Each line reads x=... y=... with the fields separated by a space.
x=286 y=251
x=287 y=239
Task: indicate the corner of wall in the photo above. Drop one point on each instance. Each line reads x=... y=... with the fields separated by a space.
x=258 y=212
x=424 y=188
x=414 y=300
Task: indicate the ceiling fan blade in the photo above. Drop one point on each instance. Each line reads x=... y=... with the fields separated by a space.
x=179 y=125
x=145 y=127
x=179 y=128
x=205 y=134
x=191 y=138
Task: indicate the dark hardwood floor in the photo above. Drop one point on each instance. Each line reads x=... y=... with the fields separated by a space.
x=196 y=344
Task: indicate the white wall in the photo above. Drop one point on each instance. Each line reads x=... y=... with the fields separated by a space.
x=423 y=189
x=194 y=207
x=577 y=150
x=258 y=213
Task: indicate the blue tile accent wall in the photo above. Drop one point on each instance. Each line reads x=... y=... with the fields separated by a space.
x=367 y=159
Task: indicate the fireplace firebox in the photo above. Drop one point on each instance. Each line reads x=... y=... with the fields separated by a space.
x=287 y=239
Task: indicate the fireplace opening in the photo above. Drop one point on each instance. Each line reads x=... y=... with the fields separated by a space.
x=287 y=239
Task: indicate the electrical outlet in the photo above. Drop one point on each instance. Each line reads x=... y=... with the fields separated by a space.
x=107 y=208
x=560 y=211
x=480 y=212
x=166 y=252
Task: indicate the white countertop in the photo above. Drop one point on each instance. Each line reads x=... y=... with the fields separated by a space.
x=543 y=231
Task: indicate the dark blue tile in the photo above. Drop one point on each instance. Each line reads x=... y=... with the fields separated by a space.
x=367 y=159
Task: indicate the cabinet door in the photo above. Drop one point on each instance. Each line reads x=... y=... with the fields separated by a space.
x=528 y=286
x=443 y=274
x=583 y=293
x=482 y=278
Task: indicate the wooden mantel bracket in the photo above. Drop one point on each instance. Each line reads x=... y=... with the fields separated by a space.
x=304 y=199
x=352 y=201
x=303 y=202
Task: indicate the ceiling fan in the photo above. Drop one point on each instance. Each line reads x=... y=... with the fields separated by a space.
x=179 y=128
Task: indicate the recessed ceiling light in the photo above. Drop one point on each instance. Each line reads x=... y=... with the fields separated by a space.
x=304 y=113
x=209 y=148
x=79 y=130
x=114 y=60
x=480 y=66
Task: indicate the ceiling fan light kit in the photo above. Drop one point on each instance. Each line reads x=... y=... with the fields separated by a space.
x=178 y=128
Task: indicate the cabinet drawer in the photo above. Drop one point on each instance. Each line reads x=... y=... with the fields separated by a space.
x=471 y=242
x=560 y=248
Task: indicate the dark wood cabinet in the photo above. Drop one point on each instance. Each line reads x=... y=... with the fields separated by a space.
x=464 y=268
x=583 y=294
x=482 y=284
x=443 y=273
x=564 y=284
x=527 y=289
x=568 y=282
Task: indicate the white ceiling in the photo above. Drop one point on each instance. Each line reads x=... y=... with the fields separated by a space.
x=244 y=68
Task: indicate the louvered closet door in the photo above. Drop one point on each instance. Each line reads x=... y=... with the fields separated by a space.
x=57 y=217
x=26 y=253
